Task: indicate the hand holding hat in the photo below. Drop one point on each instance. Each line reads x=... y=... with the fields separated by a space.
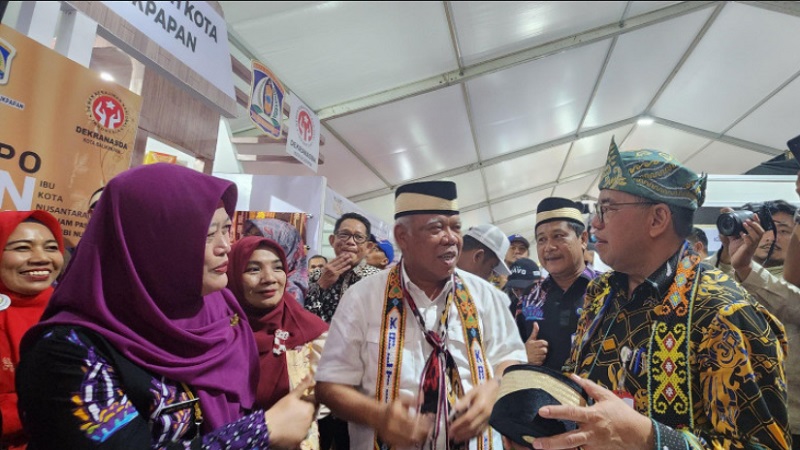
x=524 y=391
x=609 y=423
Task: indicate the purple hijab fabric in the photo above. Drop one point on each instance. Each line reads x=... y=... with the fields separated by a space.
x=289 y=239
x=136 y=279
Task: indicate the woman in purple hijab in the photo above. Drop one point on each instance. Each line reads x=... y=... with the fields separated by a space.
x=141 y=346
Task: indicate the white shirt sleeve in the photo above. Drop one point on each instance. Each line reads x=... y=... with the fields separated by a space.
x=341 y=360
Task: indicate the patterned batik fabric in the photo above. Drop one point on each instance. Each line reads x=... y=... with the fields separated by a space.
x=323 y=302
x=704 y=360
x=76 y=396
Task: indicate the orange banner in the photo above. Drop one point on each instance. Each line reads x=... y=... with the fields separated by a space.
x=156 y=157
x=64 y=132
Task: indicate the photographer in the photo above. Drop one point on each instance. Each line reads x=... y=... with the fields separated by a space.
x=791 y=272
x=761 y=274
x=754 y=266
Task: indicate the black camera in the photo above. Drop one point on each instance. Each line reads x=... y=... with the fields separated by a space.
x=732 y=223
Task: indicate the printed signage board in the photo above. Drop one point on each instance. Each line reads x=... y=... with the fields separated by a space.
x=303 y=139
x=193 y=32
x=64 y=132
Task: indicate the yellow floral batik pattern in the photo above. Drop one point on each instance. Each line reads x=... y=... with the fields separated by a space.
x=710 y=358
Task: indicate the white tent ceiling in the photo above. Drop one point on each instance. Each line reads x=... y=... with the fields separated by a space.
x=517 y=101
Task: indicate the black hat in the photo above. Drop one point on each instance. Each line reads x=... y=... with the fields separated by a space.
x=524 y=272
x=557 y=208
x=523 y=390
x=426 y=197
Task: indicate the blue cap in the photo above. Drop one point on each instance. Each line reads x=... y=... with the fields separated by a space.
x=387 y=249
x=519 y=238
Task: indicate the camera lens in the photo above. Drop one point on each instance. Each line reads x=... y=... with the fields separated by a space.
x=726 y=224
x=732 y=223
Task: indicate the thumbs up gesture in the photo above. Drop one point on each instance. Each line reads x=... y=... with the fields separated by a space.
x=536 y=348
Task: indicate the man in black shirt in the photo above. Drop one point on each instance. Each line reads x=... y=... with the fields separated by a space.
x=548 y=315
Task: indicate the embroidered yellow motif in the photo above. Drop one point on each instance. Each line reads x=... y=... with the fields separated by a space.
x=670 y=369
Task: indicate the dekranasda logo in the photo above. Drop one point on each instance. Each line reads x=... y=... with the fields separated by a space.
x=107 y=111
x=305 y=125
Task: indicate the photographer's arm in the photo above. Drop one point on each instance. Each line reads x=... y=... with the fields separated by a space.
x=780 y=297
x=791 y=265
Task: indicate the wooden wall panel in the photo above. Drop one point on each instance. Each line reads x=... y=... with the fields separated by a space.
x=173 y=115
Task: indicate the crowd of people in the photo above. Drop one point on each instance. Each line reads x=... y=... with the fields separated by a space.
x=162 y=333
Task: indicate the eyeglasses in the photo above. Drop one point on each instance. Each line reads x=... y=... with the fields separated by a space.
x=357 y=238
x=602 y=209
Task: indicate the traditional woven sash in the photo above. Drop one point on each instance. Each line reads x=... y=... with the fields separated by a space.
x=669 y=378
x=440 y=385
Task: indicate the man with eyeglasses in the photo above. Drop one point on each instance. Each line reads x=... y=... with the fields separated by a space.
x=349 y=241
x=327 y=285
x=674 y=353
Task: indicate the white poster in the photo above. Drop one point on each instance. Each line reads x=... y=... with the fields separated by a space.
x=303 y=139
x=336 y=205
x=191 y=31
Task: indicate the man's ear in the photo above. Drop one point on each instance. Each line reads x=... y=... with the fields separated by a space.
x=698 y=246
x=400 y=236
x=584 y=237
x=331 y=238
x=478 y=255
x=660 y=220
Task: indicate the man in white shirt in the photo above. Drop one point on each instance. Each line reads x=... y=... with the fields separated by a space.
x=403 y=339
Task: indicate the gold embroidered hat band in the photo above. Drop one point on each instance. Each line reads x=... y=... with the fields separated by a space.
x=557 y=208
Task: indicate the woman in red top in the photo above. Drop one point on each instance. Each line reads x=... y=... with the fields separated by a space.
x=32 y=257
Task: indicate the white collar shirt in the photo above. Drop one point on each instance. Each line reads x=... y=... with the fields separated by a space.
x=353 y=346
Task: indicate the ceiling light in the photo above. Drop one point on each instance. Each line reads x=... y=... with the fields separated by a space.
x=645 y=121
x=106 y=76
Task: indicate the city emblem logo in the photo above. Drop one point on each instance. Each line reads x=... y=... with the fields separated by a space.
x=7 y=52
x=266 y=101
x=107 y=111
x=305 y=126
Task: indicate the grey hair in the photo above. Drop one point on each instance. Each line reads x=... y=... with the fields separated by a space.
x=405 y=222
